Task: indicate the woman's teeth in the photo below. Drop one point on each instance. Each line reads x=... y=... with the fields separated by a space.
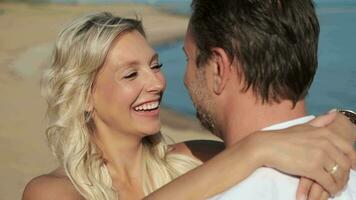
x=147 y=106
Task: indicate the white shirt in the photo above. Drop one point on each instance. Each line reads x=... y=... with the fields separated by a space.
x=269 y=184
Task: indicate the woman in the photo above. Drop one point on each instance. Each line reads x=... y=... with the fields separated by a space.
x=103 y=89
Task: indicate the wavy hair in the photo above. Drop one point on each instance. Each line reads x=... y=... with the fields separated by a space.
x=79 y=53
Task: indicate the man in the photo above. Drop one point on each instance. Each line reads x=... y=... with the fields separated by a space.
x=250 y=65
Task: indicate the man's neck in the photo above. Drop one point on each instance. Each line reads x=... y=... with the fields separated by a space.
x=245 y=119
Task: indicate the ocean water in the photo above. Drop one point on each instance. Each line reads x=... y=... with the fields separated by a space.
x=334 y=85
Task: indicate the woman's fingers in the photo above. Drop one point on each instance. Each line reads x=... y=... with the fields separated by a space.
x=345 y=146
x=338 y=165
x=337 y=123
x=325 y=196
x=316 y=192
x=324 y=178
x=304 y=188
x=310 y=190
x=344 y=127
x=340 y=131
x=323 y=120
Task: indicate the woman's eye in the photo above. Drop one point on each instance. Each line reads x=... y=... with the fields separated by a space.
x=157 y=67
x=131 y=75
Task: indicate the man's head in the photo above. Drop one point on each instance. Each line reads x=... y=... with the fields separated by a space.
x=272 y=43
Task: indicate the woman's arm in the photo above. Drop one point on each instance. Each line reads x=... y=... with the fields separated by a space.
x=222 y=171
x=290 y=153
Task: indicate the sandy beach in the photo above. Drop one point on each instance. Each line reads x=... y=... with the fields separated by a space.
x=26 y=37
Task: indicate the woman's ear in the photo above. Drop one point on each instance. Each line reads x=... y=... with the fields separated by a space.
x=221 y=69
x=89 y=105
x=89 y=109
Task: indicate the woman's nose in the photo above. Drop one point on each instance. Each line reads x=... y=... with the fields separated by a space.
x=155 y=82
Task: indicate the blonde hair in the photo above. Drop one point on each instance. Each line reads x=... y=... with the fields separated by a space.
x=78 y=55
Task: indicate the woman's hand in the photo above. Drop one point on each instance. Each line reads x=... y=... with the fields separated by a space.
x=309 y=188
x=312 y=152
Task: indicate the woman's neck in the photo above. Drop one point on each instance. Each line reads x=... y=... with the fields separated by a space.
x=123 y=156
x=124 y=165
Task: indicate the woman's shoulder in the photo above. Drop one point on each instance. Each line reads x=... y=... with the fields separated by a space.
x=52 y=186
x=200 y=149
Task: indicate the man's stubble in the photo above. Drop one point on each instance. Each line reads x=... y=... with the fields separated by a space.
x=203 y=103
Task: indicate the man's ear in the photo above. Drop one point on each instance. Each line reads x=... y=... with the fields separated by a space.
x=222 y=69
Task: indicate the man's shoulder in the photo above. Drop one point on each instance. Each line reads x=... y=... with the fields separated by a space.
x=202 y=150
x=52 y=186
x=264 y=183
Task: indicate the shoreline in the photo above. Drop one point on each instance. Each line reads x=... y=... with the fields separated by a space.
x=26 y=38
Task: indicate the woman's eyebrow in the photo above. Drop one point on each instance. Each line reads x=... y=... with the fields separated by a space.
x=125 y=65
x=154 y=57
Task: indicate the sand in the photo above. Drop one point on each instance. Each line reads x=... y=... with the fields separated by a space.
x=27 y=33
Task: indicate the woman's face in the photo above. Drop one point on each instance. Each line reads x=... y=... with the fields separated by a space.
x=128 y=88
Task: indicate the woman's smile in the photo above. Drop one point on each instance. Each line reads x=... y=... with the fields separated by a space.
x=148 y=109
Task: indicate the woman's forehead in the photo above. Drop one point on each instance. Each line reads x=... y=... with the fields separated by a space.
x=131 y=48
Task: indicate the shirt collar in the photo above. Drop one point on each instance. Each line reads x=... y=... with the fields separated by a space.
x=287 y=124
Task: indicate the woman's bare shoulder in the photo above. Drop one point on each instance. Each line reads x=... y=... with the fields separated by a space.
x=200 y=149
x=52 y=186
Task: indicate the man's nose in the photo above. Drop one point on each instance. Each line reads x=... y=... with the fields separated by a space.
x=185 y=79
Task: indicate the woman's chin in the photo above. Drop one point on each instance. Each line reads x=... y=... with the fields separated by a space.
x=151 y=130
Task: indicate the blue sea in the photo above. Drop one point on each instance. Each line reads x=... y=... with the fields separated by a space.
x=335 y=81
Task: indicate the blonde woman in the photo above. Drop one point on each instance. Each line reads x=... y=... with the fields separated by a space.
x=103 y=88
